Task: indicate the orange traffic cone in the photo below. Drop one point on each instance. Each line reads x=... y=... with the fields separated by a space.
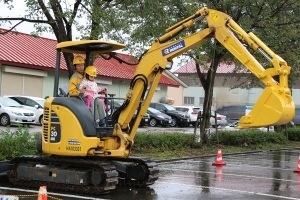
x=297 y=170
x=42 y=193
x=219 y=159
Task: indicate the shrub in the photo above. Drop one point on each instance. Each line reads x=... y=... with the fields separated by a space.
x=163 y=141
x=248 y=137
x=19 y=142
x=293 y=134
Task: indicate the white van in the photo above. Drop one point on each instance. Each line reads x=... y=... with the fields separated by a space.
x=35 y=104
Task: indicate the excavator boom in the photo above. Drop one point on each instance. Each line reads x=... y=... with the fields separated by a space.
x=274 y=107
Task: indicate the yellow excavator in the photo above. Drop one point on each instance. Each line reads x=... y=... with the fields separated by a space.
x=81 y=157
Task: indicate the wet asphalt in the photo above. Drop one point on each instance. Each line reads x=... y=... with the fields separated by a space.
x=251 y=175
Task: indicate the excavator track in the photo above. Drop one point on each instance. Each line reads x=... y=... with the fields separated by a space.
x=132 y=171
x=104 y=180
x=145 y=167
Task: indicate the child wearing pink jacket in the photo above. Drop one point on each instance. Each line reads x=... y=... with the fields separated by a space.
x=91 y=88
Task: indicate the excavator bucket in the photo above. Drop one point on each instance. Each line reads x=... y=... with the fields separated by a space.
x=274 y=107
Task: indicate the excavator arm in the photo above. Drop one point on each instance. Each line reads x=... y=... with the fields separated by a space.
x=274 y=107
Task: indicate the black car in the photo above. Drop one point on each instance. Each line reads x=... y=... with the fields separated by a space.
x=158 y=118
x=181 y=119
x=114 y=105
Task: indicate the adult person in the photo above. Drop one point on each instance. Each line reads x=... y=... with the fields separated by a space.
x=77 y=77
x=97 y=107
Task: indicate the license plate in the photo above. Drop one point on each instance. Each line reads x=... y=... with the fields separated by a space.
x=146 y=120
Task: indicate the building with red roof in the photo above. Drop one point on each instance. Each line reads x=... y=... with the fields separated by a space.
x=28 y=63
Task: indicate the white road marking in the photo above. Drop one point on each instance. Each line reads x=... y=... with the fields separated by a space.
x=231 y=190
x=246 y=176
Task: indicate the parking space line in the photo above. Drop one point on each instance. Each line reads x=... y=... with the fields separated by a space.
x=231 y=190
x=226 y=174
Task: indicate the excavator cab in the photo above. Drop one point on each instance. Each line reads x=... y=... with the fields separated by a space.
x=84 y=47
x=68 y=118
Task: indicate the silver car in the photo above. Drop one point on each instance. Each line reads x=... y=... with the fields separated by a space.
x=11 y=112
x=35 y=104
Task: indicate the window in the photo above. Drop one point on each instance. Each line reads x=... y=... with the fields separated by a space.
x=189 y=100
x=159 y=107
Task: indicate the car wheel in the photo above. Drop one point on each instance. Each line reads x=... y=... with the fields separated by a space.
x=41 y=120
x=153 y=122
x=5 y=120
x=174 y=122
x=181 y=124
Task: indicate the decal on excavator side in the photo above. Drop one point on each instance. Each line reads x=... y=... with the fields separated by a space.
x=174 y=47
x=55 y=133
x=72 y=148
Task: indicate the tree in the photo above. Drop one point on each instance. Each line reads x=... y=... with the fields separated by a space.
x=59 y=18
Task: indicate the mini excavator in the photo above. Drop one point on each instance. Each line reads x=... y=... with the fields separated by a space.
x=80 y=157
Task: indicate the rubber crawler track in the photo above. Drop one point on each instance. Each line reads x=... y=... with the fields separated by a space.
x=109 y=172
x=112 y=177
x=149 y=166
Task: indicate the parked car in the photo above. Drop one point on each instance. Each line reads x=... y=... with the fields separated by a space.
x=145 y=120
x=181 y=119
x=191 y=110
x=221 y=119
x=234 y=127
x=158 y=118
x=35 y=104
x=296 y=119
x=11 y=112
x=233 y=113
x=117 y=104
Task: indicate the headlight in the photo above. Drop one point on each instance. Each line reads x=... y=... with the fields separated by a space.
x=160 y=116
x=17 y=113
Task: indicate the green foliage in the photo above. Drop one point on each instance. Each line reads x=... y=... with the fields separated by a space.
x=293 y=134
x=248 y=137
x=146 y=142
x=164 y=141
x=19 y=142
